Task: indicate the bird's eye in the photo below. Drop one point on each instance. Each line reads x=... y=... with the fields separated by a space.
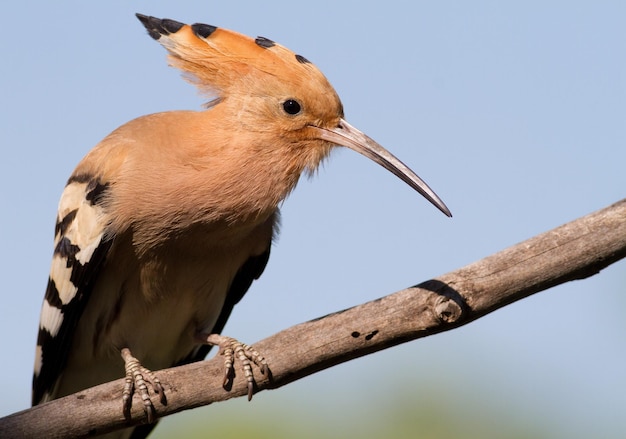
x=291 y=106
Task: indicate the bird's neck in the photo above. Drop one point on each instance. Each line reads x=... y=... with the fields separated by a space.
x=208 y=175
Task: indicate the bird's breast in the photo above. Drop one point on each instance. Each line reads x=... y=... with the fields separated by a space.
x=157 y=302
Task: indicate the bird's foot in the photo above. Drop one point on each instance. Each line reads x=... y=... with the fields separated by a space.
x=137 y=379
x=231 y=349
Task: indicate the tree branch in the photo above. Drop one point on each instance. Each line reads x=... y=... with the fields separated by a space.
x=575 y=250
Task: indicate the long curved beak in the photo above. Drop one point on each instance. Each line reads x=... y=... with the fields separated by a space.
x=347 y=135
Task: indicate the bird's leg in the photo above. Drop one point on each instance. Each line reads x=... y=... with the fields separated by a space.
x=136 y=378
x=231 y=348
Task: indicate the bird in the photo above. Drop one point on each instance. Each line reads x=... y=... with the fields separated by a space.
x=164 y=225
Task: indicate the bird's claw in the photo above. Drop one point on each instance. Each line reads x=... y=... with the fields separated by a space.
x=137 y=380
x=231 y=348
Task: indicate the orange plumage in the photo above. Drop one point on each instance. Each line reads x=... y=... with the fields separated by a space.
x=164 y=225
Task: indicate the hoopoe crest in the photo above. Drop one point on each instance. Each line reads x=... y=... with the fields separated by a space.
x=165 y=224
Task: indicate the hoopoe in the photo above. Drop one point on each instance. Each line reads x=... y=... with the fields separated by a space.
x=164 y=225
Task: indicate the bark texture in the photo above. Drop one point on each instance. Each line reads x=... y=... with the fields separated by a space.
x=575 y=250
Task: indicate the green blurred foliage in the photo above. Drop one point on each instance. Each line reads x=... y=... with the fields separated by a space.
x=397 y=415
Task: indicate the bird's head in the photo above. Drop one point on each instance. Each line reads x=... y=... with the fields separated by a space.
x=272 y=93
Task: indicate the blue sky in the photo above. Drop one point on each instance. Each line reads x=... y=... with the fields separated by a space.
x=514 y=113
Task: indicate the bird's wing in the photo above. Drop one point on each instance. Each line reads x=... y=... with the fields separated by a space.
x=80 y=249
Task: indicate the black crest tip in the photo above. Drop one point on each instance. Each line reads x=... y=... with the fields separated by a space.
x=203 y=30
x=302 y=60
x=157 y=27
x=171 y=26
x=266 y=43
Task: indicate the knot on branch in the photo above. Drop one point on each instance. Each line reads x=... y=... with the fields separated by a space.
x=448 y=306
x=447 y=310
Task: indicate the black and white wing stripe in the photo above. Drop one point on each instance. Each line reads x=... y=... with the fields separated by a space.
x=79 y=251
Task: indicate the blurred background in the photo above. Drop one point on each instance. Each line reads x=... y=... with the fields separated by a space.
x=514 y=113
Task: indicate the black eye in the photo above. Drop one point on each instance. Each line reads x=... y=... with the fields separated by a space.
x=291 y=106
